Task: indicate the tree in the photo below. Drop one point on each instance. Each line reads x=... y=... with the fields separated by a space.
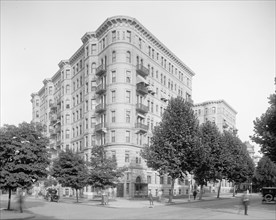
x=172 y=147
x=24 y=156
x=70 y=170
x=209 y=157
x=265 y=174
x=103 y=170
x=240 y=167
x=265 y=130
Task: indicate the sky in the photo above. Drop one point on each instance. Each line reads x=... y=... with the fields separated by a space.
x=230 y=45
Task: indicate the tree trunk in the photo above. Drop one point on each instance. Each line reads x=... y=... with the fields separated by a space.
x=234 y=189
x=219 y=188
x=201 y=192
x=171 y=195
x=9 y=202
x=77 y=195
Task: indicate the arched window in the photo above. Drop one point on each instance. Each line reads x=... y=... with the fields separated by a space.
x=128 y=57
x=93 y=68
x=113 y=56
x=138 y=179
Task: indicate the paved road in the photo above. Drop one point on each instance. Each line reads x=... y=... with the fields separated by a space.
x=227 y=208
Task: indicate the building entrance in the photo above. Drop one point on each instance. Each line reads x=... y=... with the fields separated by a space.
x=141 y=189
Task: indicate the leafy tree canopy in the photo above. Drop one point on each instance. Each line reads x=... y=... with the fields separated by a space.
x=240 y=166
x=103 y=170
x=265 y=130
x=173 y=146
x=24 y=156
x=265 y=174
x=70 y=170
x=209 y=158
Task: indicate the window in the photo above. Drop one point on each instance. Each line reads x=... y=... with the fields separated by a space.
x=113 y=56
x=148 y=179
x=67 y=103
x=113 y=76
x=128 y=136
x=127 y=116
x=67 y=134
x=93 y=49
x=112 y=136
x=93 y=68
x=113 y=36
x=169 y=180
x=113 y=155
x=128 y=57
x=128 y=96
x=128 y=76
x=113 y=116
x=127 y=156
x=128 y=36
x=67 y=119
x=140 y=43
x=67 y=89
x=213 y=110
x=113 y=96
x=161 y=180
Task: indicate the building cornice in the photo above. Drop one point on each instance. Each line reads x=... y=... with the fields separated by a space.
x=215 y=102
x=62 y=63
x=109 y=22
x=87 y=36
x=47 y=80
x=76 y=55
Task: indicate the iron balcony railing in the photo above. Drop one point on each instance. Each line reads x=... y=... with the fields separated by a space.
x=142 y=108
x=101 y=89
x=143 y=71
x=100 y=70
x=142 y=89
x=100 y=108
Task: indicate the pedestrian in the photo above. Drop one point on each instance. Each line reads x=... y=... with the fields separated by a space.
x=194 y=194
x=245 y=201
x=151 y=199
x=20 y=200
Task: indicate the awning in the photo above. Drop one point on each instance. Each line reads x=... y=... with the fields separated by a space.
x=141 y=79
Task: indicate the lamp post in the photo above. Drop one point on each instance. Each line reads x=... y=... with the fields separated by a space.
x=190 y=181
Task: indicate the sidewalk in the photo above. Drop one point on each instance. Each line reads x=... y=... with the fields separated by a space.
x=116 y=203
x=132 y=203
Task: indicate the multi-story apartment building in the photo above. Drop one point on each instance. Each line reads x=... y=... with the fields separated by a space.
x=219 y=112
x=112 y=91
x=224 y=116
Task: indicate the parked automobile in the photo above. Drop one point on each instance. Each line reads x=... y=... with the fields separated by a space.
x=268 y=193
x=51 y=195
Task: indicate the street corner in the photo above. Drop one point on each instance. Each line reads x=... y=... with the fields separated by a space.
x=15 y=214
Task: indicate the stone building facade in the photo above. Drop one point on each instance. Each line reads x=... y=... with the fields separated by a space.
x=112 y=91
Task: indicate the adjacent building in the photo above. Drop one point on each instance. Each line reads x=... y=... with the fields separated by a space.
x=112 y=91
x=224 y=116
x=218 y=112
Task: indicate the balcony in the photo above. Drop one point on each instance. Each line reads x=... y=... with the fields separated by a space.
x=94 y=79
x=101 y=127
x=53 y=107
x=100 y=70
x=100 y=108
x=143 y=90
x=101 y=89
x=143 y=71
x=150 y=90
x=53 y=118
x=141 y=127
x=142 y=108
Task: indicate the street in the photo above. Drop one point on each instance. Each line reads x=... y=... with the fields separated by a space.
x=225 y=208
